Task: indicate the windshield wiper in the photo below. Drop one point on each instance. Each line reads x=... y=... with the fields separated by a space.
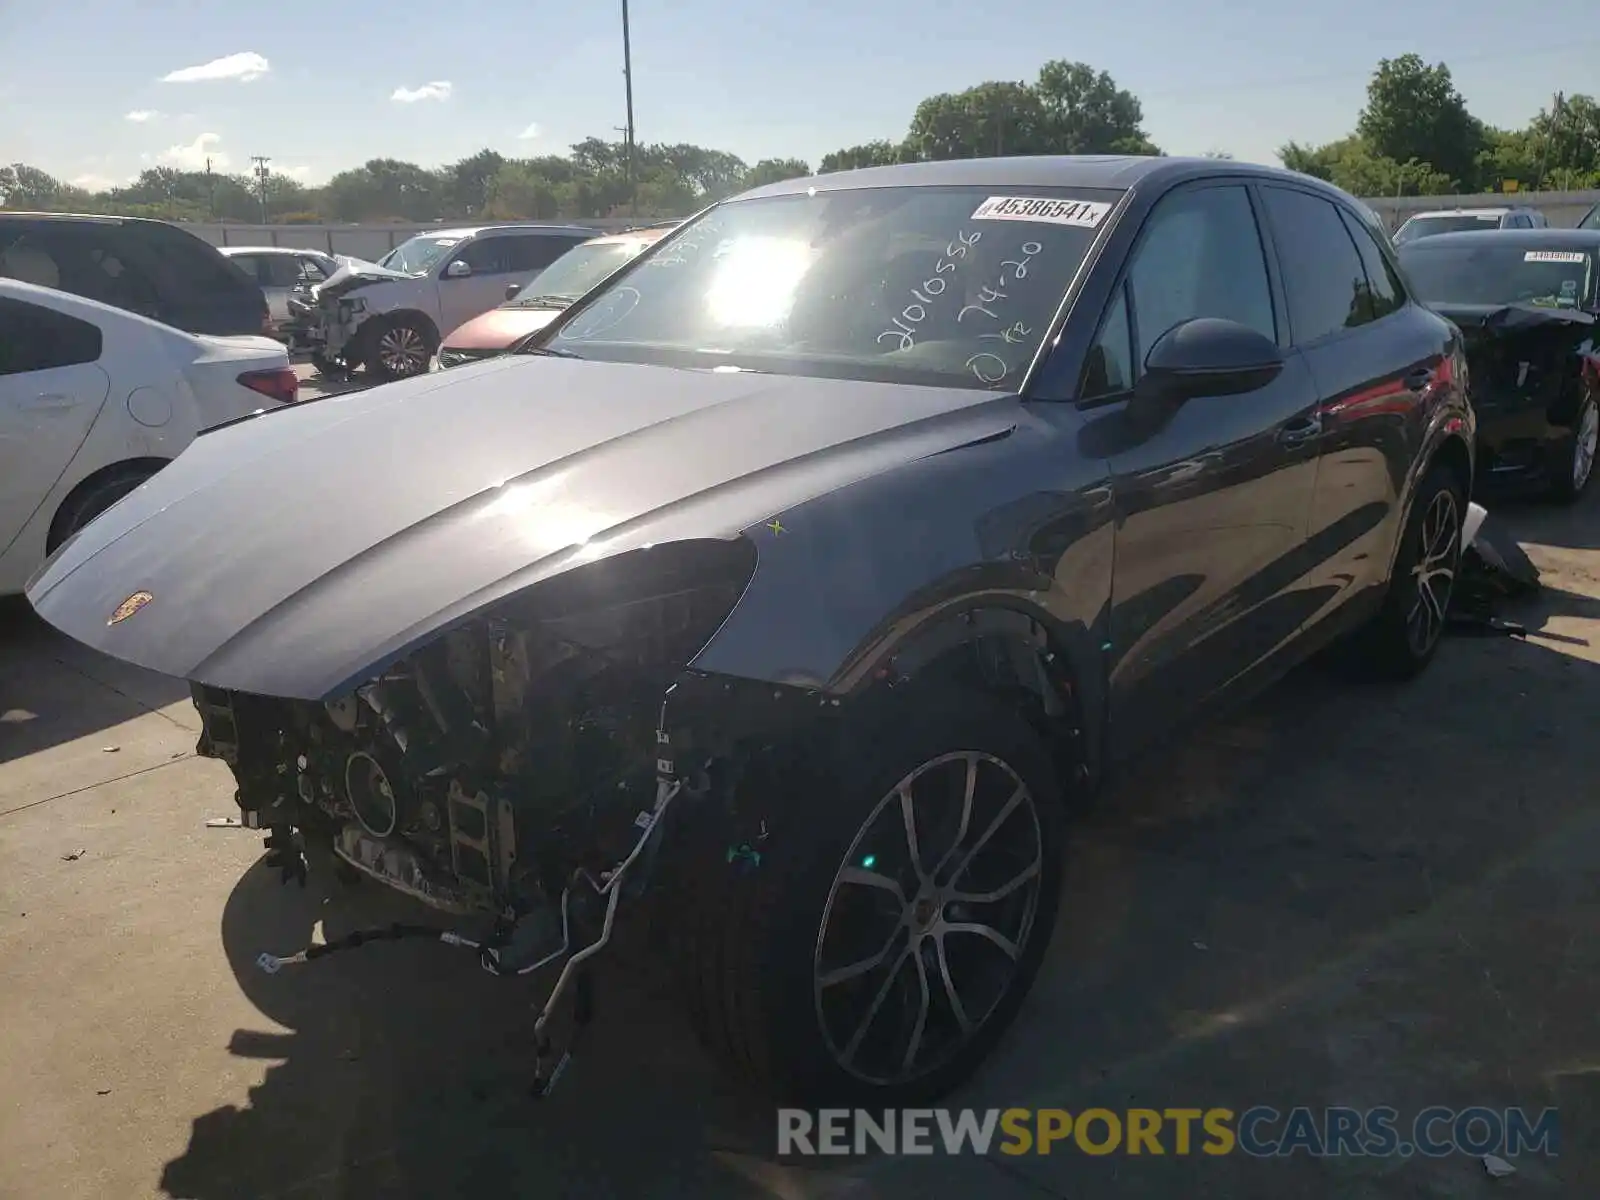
x=552 y=301
x=547 y=352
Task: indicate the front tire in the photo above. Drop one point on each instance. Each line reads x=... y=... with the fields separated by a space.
x=896 y=914
x=400 y=349
x=1404 y=636
x=1573 y=462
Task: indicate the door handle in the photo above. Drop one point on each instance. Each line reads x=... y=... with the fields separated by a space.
x=1418 y=380
x=1301 y=429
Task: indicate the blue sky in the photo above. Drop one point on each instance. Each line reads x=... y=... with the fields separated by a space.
x=83 y=91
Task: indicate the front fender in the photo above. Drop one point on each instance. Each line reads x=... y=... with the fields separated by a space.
x=845 y=581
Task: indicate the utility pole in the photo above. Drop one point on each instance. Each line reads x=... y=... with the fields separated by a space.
x=211 y=191
x=627 y=80
x=262 y=174
x=1549 y=135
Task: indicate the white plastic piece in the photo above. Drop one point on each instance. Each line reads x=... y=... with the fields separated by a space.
x=270 y=963
x=1469 y=528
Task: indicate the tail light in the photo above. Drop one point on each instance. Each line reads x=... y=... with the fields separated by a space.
x=282 y=384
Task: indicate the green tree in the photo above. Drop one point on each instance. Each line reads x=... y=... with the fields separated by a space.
x=1414 y=111
x=985 y=121
x=775 y=170
x=1085 y=112
x=870 y=154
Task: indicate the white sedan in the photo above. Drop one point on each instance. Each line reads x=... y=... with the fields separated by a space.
x=95 y=400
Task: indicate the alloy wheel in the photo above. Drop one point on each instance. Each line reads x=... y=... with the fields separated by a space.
x=1434 y=575
x=928 y=917
x=402 y=351
x=1583 y=450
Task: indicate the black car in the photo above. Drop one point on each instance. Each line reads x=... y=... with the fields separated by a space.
x=148 y=267
x=795 y=580
x=1527 y=302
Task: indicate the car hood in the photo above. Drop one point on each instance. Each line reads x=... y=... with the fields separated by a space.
x=356 y=273
x=298 y=552
x=498 y=328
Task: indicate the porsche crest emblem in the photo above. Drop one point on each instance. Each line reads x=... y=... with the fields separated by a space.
x=130 y=606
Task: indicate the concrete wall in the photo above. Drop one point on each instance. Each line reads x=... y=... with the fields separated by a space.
x=359 y=241
x=374 y=241
x=1562 y=209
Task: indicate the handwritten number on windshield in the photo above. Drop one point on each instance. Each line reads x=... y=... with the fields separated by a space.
x=903 y=335
x=682 y=249
x=991 y=369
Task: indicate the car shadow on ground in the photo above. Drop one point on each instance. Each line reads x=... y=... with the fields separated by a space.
x=53 y=690
x=1294 y=894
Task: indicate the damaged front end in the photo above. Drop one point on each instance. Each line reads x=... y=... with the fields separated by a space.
x=1531 y=368
x=332 y=312
x=515 y=768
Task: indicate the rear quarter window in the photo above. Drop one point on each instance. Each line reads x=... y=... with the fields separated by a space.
x=35 y=338
x=179 y=260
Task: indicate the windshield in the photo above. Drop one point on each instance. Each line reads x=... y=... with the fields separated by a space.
x=1591 y=219
x=575 y=272
x=1418 y=227
x=420 y=254
x=1495 y=273
x=954 y=286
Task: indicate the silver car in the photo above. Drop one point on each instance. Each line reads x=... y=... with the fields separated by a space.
x=279 y=270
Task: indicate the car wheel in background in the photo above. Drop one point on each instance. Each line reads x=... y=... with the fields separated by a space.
x=400 y=348
x=1404 y=636
x=1572 y=460
x=878 y=942
x=93 y=497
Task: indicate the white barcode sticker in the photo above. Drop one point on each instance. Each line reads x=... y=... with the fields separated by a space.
x=1566 y=256
x=1085 y=214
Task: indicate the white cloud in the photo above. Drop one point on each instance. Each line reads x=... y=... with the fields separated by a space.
x=243 y=67
x=98 y=183
x=140 y=115
x=437 y=90
x=192 y=157
x=298 y=174
x=528 y=134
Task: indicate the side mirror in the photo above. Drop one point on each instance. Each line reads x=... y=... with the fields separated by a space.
x=1209 y=356
x=512 y=289
x=457 y=270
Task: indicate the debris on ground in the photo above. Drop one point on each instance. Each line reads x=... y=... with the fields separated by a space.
x=224 y=823
x=109 y=749
x=102 y=1091
x=1497 y=1167
x=1494 y=569
x=75 y=855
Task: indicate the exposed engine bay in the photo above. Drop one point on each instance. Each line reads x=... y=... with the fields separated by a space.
x=506 y=768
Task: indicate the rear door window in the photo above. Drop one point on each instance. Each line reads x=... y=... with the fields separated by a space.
x=35 y=338
x=1323 y=274
x=279 y=271
x=536 y=252
x=1385 y=291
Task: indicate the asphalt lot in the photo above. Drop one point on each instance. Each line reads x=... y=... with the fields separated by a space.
x=1341 y=895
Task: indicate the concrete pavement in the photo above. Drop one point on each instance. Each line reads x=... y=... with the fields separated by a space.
x=1341 y=895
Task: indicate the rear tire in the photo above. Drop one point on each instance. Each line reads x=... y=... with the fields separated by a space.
x=1572 y=464
x=400 y=348
x=767 y=936
x=1404 y=636
x=89 y=501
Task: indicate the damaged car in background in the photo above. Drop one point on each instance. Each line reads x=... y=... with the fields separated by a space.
x=793 y=585
x=1526 y=302
x=388 y=316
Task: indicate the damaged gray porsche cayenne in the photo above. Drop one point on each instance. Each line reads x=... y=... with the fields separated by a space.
x=793 y=587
